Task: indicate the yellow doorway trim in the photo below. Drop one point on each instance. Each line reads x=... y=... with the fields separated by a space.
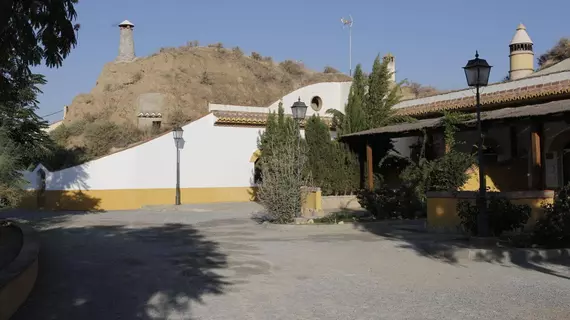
x=256 y=154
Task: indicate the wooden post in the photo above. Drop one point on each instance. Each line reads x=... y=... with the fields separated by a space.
x=370 y=166
x=536 y=156
x=362 y=166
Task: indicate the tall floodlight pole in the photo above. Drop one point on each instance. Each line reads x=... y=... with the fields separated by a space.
x=348 y=23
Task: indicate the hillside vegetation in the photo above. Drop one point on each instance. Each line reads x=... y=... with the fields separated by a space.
x=188 y=77
x=560 y=51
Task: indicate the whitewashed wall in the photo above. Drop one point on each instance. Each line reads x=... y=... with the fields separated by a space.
x=212 y=156
x=334 y=95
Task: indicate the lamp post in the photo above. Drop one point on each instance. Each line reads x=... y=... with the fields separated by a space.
x=177 y=133
x=299 y=109
x=477 y=73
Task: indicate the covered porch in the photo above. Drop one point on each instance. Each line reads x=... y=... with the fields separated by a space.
x=527 y=154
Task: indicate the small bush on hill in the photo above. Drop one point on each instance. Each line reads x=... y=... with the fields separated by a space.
x=193 y=44
x=205 y=79
x=329 y=69
x=292 y=67
x=256 y=56
x=237 y=51
x=553 y=229
x=217 y=45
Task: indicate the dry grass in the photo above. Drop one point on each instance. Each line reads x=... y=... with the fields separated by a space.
x=177 y=74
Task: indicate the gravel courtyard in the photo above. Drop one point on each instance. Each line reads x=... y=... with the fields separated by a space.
x=214 y=262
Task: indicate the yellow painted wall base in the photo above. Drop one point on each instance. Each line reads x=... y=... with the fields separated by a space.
x=127 y=199
x=313 y=205
x=442 y=206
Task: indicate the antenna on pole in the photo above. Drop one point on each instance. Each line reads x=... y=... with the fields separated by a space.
x=348 y=23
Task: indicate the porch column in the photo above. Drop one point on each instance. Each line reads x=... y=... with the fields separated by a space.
x=370 y=166
x=537 y=171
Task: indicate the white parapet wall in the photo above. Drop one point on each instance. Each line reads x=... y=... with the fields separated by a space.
x=214 y=166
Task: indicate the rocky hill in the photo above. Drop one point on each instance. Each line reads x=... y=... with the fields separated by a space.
x=189 y=77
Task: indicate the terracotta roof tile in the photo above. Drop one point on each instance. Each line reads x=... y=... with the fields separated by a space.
x=249 y=118
x=494 y=98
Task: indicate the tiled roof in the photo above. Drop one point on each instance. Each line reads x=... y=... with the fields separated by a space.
x=543 y=109
x=250 y=118
x=512 y=93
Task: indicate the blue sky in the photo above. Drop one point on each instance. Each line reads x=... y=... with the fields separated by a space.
x=431 y=40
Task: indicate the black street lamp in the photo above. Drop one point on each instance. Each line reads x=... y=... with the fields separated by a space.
x=177 y=133
x=299 y=109
x=477 y=73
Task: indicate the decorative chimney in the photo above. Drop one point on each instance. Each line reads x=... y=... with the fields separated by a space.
x=127 y=43
x=391 y=66
x=522 y=55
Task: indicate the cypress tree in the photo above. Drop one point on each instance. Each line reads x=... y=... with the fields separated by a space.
x=355 y=118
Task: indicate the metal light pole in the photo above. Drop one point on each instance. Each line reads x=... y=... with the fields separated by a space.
x=477 y=73
x=348 y=23
x=299 y=110
x=177 y=133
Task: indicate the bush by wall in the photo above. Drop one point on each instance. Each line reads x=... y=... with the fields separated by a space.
x=387 y=203
x=332 y=165
x=553 y=230
x=503 y=215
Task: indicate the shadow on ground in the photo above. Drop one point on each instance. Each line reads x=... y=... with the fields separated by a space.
x=119 y=272
x=413 y=235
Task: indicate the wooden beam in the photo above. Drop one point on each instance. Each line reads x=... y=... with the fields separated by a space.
x=370 y=166
x=537 y=171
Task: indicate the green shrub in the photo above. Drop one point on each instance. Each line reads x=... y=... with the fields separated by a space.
x=280 y=191
x=553 y=229
x=102 y=135
x=503 y=215
x=387 y=203
x=448 y=173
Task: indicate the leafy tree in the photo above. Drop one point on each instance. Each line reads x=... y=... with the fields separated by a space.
x=10 y=179
x=32 y=32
